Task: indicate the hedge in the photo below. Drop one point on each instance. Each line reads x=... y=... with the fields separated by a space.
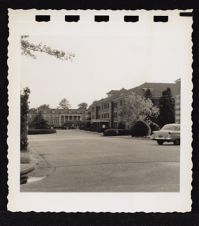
x=116 y=132
x=41 y=131
x=123 y=132
x=110 y=132
x=140 y=129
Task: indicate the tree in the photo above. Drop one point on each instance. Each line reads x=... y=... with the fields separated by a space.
x=83 y=106
x=29 y=49
x=43 y=107
x=136 y=108
x=33 y=110
x=148 y=94
x=39 y=122
x=64 y=104
x=24 y=118
x=167 y=108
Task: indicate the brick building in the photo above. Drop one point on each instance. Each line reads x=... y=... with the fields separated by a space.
x=61 y=117
x=105 y=112
x=177 y=102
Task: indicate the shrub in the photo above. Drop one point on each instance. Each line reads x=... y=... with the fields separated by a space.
x=39 y=122
x=140 y=129
x=110 y=132
x=24 y=118
x=154 y=126
x=41 y=131
x=123 y=132
x=121 y=125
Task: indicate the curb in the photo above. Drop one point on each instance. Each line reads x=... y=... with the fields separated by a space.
x=26 y=168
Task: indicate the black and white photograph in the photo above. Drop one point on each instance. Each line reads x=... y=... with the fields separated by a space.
x=100 y=109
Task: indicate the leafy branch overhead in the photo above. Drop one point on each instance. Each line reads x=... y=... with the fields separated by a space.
x=29 y=49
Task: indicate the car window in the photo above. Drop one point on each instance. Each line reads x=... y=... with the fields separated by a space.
x=171 y=127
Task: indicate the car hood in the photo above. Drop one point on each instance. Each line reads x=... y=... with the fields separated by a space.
x=162 y=132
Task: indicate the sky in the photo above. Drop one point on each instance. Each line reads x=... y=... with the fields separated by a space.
x=102 y=63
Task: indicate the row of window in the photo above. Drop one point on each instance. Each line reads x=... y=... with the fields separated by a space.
x=105 y=115
x=106 y=106
x=61 y=112
x=70 y=118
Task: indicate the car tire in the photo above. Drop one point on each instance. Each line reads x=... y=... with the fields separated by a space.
x=160 y=142
x=177 y=142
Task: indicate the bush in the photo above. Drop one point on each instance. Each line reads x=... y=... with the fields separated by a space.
x=41 y=131
x=140 y=129
x=123 y=132
x=121 y=125
x=110 y=132
x=24 y=118
x=39 y=122
x=154 y=127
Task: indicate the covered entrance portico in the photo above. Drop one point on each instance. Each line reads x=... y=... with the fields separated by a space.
x=100 y=125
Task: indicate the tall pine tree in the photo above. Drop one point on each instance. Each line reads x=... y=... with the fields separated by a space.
x=167 y=108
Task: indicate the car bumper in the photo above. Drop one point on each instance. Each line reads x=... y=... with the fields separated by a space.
x=163 y=138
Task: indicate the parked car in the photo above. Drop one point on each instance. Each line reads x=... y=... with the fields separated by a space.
x=168 y=133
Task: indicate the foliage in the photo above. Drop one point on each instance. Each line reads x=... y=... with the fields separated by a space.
x=121 y=125
x=83 y=106
x=64 y=104
x=39 y=122
x=123 y=132
x=43 y=107
x=148 y=94
x=33 y=110
x=136 y=108
x=24 y=118
x=167 y=108
x=140 y=129
x=110 y=132
x=85 y=125
x=41 y=131
x=154 y=126
x=29 y=49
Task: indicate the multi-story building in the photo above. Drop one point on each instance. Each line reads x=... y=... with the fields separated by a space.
x=61 y=117
x=177 y=102
x=105 y=112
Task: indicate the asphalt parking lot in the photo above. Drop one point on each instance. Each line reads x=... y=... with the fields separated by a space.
x=82 y=161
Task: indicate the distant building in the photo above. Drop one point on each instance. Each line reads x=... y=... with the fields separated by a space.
x=61 y=117
x=177 y=101
x=105 y=112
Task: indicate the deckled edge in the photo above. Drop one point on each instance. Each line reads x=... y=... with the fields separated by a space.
x=195 y=96
x=195 y=112
x=3 y=109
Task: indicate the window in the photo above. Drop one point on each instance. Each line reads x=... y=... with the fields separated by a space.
x=115 y=114
x=105 y=105
x=97 y=112
x=106 y=115
x=115 y=105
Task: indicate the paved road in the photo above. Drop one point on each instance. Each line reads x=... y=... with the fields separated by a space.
x=80 y=161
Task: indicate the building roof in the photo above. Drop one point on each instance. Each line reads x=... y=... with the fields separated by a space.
x=156 y=88
x=114 y=94
x=58 y=111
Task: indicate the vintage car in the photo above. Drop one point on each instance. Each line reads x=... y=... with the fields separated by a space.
x=168 y=133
